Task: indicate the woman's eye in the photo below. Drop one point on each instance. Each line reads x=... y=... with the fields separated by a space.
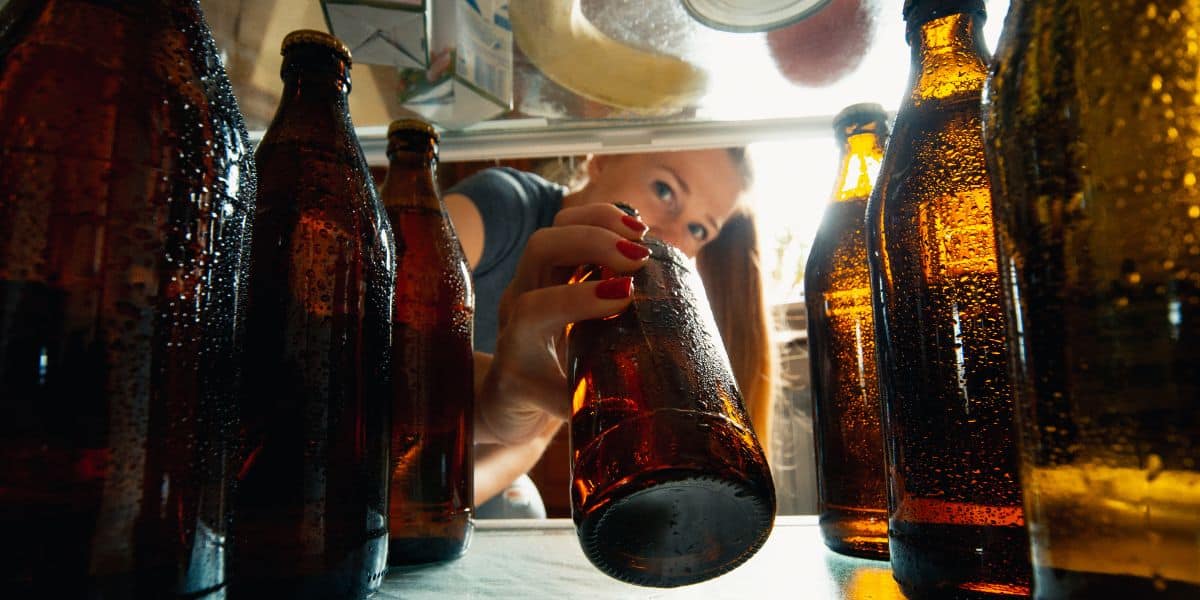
x=664 y=191
x=698 y=231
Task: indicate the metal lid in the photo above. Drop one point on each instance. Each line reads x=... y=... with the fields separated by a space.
x=751 y=15
x=927 y=10
x=865 y=112
x=412 y=125
x=316 y=38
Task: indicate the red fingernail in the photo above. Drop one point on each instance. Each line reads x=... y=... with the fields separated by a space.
x=632 y=250
x=615 y=289
x=635 y=224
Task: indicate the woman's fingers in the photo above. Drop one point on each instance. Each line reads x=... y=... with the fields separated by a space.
x=545 y=312
x=598 y=234
x=529 y=382
x=525 y=386
x=569 y=246
x=603 y=215
x=573 y=245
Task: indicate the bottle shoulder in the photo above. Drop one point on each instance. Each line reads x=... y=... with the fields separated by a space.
x=936 y=148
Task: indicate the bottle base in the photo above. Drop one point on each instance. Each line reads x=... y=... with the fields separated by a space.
x=306 y=587
x=949 y=561
x=324 y=586
x=678 y=528
x=139 y=585
x=856 y=532
x=357 y=575
x=422 y=550
x=1056 y=584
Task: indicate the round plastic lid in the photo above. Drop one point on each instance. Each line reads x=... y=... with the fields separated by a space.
x=317 y=38
x=410 y=124
x=751 y=15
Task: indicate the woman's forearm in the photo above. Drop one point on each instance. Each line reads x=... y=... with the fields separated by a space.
x=497 y=466
x=483 y=433
x=503 y=413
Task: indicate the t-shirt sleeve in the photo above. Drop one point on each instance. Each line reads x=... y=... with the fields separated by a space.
x=511 y=205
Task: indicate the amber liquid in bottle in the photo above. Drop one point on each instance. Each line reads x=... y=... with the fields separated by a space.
x=669 y=483
x=851 y=487
x=1098 y=222
x=956 y=524
x=432 y=372
x=311 y=518
x=126 y=190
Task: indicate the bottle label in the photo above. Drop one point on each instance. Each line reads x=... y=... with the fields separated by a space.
x=852 y=342
x=950 y=398
x=848 y=303
x=957 y=235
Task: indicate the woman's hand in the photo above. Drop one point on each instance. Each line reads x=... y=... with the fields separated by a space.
x=525 y=386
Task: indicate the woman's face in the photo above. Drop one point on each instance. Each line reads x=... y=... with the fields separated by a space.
x=685 y=197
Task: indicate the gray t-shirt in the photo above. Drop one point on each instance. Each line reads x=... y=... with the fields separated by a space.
x=513 y=205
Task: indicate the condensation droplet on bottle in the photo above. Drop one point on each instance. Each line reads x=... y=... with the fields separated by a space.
x=1153 y=466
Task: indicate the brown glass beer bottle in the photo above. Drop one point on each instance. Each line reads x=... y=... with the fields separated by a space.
x=851 y=488
x=432 y=368
x=669 y=483
x=1092 y=141
x=956 y=527
x=311 y=503
x=126 y=189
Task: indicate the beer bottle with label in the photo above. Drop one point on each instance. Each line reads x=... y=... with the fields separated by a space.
x=956 y=526
x=311 y=504
x=851 y=489
x=432 y=364
x=126 y=192
x=669 y=483
x=1092 y=141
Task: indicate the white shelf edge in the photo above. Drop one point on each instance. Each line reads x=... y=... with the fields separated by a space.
x=492 y=144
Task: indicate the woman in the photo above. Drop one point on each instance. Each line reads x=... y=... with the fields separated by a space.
x=522 y=235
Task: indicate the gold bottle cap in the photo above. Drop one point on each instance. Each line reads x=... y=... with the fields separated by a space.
x=928 y=10
x=412 y=125
x=865 y=112
x=318 y=38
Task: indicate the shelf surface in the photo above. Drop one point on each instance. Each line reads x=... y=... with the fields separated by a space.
x=541 y=559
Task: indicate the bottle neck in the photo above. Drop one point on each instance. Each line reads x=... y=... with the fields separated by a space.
x=412 y=177
x=323 y=81
x=315 y=107
x=862 y=155
x=949 y=56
